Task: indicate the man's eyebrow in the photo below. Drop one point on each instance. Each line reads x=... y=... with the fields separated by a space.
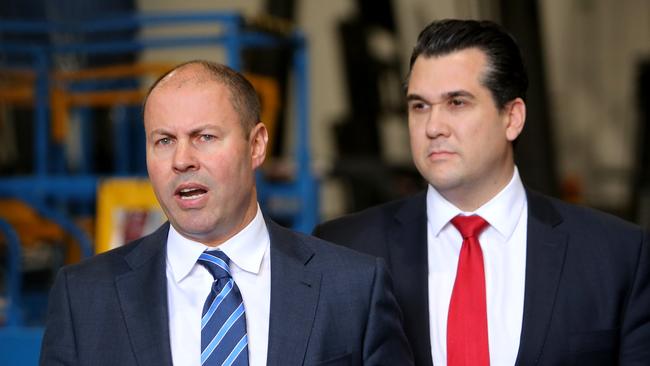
x=159 y=131
x=444 y=96
x=200 y=129
x=458 y=93
x=416 y=97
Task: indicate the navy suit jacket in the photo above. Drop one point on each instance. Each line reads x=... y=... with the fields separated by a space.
x=329 y=306
x=587 y=285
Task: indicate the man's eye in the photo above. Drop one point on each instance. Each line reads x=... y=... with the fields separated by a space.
x=457 y=102
x=418 y=106
x=207 y=138
x=164 y=141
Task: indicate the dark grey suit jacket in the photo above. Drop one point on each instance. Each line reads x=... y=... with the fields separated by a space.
x=587 y=286
x=329 y=306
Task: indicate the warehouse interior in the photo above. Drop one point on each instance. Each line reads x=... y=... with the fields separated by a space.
x=73 y=75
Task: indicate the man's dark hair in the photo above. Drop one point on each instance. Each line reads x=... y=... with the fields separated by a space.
x=243 y=96
x=506 y=76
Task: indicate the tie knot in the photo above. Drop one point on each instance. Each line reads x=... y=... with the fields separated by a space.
x=216 y=262
x=469 y=226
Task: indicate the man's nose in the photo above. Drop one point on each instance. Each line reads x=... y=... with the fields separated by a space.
x=437 y=124
x=184 y=158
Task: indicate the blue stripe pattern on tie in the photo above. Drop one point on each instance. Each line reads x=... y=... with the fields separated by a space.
x=223 y=324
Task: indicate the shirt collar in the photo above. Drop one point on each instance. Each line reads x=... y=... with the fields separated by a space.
x=501 y=212
x=245 y=249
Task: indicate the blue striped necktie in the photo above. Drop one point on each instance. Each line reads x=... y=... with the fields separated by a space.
x=223 y=324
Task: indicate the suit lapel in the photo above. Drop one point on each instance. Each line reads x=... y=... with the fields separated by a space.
x=546 y=249
x=409 y=267
x=294 y=297
x=142 y=295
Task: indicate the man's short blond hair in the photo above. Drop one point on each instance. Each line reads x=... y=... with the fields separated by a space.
x=243 y=96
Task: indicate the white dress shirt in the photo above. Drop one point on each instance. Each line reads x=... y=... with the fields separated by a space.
x=188 y=285
x=504 y=254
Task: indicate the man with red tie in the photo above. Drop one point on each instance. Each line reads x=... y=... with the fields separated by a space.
x=485 y=270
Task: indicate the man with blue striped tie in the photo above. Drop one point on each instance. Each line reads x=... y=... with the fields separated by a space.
x=223 y=323
x=220 y=283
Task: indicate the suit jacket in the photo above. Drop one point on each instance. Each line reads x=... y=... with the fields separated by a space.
x=587 y=284
x=329 y=306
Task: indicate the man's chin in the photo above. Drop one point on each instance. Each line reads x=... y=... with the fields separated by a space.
x=197 y=231
x=445 y=184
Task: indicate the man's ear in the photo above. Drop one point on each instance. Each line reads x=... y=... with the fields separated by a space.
x=515 y=118
x=259 y=138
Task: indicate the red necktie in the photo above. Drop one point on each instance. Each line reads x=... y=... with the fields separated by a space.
x=467 y=332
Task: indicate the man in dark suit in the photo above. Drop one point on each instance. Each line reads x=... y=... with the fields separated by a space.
x=486 y=271
x=265 y=296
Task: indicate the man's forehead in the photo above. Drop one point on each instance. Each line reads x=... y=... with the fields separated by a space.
x=186 y=79
x=466 y=57
x=186 y=75
x=450 y=70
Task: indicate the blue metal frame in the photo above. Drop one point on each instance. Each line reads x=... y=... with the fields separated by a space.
x=304 y=187
x=19 y=346
x=40 y=64
x=307 y=184
x=14 y=316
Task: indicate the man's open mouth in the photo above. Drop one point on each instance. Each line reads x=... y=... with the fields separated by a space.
x=191 y=193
